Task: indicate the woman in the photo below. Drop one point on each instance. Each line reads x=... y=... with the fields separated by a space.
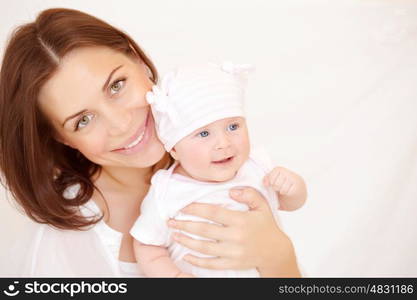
x=78 y=149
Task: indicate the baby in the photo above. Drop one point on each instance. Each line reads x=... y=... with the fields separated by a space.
x=199 y=118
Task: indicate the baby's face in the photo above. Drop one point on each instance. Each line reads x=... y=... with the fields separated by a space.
x=214 y=152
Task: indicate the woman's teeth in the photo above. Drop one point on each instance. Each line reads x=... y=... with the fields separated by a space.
x=135 y=142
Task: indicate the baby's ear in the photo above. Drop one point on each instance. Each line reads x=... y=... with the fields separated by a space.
x=173 y=153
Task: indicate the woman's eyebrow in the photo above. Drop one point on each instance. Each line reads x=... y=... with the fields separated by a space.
x=73 y=116
x=109 y=78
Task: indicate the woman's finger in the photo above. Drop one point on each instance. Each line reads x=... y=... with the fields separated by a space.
x=250 y=196
x=212 y=212
x=203 y=229
x=203 y=246
x=214 y=263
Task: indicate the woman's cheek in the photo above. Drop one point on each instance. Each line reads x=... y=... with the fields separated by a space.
x=93 y=147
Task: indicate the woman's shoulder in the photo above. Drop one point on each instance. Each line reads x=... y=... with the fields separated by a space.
x=46 y=251
x=21 y=258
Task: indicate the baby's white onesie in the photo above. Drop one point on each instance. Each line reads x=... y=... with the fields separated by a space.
x=171 y=192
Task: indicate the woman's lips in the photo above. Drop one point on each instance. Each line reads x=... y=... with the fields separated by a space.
x=137 y=141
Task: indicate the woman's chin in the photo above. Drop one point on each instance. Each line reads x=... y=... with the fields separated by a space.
x=154 y=154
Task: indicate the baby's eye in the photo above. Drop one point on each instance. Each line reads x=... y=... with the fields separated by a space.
x=117 y=86
x=83 y=121
x=204 y=133
x=233 y=126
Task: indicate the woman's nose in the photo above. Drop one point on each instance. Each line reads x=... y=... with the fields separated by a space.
x=118 y=121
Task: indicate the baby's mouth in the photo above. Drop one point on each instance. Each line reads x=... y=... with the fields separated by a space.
x=223 y=161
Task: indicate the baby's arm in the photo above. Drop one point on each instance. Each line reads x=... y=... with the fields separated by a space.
x=155 y=261
x=290 y=187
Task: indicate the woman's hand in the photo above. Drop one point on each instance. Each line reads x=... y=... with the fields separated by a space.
x=249 y=239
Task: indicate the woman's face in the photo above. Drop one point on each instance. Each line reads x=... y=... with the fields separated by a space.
x=96 y=102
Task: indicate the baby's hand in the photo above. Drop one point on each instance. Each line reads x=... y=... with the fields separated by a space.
x=281 y=180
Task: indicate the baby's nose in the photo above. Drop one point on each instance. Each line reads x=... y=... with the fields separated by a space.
x=222 y=142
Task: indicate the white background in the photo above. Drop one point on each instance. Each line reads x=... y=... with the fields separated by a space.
x=334 y=98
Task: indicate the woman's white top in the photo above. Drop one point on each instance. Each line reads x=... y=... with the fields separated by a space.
x=44 y=251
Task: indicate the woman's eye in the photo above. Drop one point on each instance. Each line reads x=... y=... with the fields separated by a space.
x=117 y=86
x=233 y=127
x=83 y=121
x=204 y=133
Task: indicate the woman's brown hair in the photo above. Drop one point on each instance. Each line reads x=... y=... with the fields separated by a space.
x=36 y=168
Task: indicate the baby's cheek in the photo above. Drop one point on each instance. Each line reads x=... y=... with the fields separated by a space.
x=196 y=163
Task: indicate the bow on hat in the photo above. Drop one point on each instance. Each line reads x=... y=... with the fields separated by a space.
x=160 y=101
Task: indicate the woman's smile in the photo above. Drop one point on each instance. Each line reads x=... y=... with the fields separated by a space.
x=139 y=140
